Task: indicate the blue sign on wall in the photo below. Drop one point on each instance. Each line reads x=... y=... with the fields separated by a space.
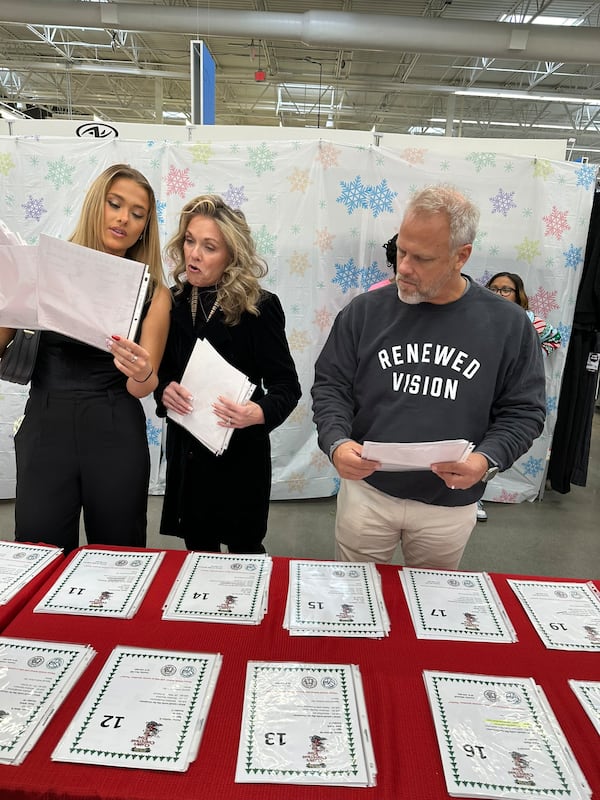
x=203 y=84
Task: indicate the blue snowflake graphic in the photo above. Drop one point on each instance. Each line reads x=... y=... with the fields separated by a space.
x=586 y=175
x=380 y=198
x=533 y=466
x=234 y=196
x=371 y=275
x=161 y=207
x=354 y=195
x=502 y=202
x=347 y=275
x=551 y=404
x=153 y=432
x=34 y=208
x=336 y=487
x=565 y=334
x=573 y=257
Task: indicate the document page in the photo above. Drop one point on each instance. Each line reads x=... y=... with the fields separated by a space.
x=402 y=457
x=19 y=563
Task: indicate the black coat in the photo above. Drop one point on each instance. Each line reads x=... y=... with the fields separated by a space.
x=228 y=494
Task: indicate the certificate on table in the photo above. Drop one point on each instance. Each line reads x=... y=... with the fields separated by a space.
x=220 y=587
x=304 y=723
x=19 y=563
x=102 y=583
x=36 y=677
x=455 y=605
x=146 y=710
x=498 y=737
x=565 y=615
x=403 y=456
x=588 y=694
x=334 y=599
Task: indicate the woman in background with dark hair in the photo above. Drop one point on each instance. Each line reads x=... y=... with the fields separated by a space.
x=391 y=253
x=212 y=500
x=510 y=286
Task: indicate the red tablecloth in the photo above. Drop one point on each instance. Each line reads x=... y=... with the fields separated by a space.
x=406 y=749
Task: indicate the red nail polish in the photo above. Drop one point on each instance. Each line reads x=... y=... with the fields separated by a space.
x=116 y=338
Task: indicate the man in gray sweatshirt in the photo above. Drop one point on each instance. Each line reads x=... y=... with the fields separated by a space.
x=432 y=357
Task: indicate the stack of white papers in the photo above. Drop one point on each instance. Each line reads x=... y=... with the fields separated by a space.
x=498 y=737
x=566 y=615
x=74 y=290
x=19 y=563
x=220 y=587
x=588 y=694
x=305 y=723
x=146 y=710
x=102 y=583
x=207 y=376
x=332 y=598
x=402 y=457
x=36 y=678
x=455 y=605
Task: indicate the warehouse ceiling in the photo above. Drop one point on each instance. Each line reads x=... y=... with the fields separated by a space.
x=478 y=68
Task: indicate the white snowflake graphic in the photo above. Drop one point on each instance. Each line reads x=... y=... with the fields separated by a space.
x=60 y=173
x=265 y=242
x=543 y=302
x=6 y=163
x=528 y=249
x=328 y=155
x=414 y=155
x=573 y=257
x=533 y=466
x=380 y=198
x=299 y=180
x=586 y=175
x=178 y=181
x=235 y=197
x=299 y=263
x=322 y=318
x=299 y=340
x=482 y=160
x=502 y=202
x=371 y=275
x=556 y=223
x=260 y=159
x=347 y=275
x=201 y=152
x=324 y=240
x=34 y=208
x=153 y=432
x=354 y=195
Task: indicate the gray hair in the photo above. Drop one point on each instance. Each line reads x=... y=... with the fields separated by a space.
x=462 y=215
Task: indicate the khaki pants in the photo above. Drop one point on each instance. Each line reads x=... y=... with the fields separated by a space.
x=369 y=525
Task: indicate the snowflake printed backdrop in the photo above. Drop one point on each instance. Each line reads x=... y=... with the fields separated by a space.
x=320 y=213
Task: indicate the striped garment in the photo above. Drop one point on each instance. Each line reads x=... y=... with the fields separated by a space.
x=549 y=336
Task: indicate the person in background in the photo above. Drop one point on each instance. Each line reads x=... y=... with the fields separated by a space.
x=434 y=357
x=390 y=254
x=82 y=443
x=212 y=500
x=510 y=286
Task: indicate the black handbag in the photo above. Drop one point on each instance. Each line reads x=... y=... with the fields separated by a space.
x=18 y=361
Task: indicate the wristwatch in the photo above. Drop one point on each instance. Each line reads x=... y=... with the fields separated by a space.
x=492 y=471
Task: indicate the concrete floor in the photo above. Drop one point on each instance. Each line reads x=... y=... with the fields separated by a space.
x=557 y=537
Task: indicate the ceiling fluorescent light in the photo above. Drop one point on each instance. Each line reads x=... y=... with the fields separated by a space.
x=507 y=94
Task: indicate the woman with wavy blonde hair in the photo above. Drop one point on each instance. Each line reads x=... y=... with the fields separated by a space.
x=213 y=500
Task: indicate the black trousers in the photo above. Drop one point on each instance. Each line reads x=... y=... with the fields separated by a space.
x=82 y=450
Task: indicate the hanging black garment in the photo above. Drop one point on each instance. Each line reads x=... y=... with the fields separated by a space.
x=572 y=434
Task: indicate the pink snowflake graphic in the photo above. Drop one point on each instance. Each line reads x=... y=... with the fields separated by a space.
x=414 y=155
x=322 y=319
x=506 y=497
x=328 y=155
x=178 y=182
x=319 y=460
x=556 y=223
x=324 y=240
x=543 y=302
